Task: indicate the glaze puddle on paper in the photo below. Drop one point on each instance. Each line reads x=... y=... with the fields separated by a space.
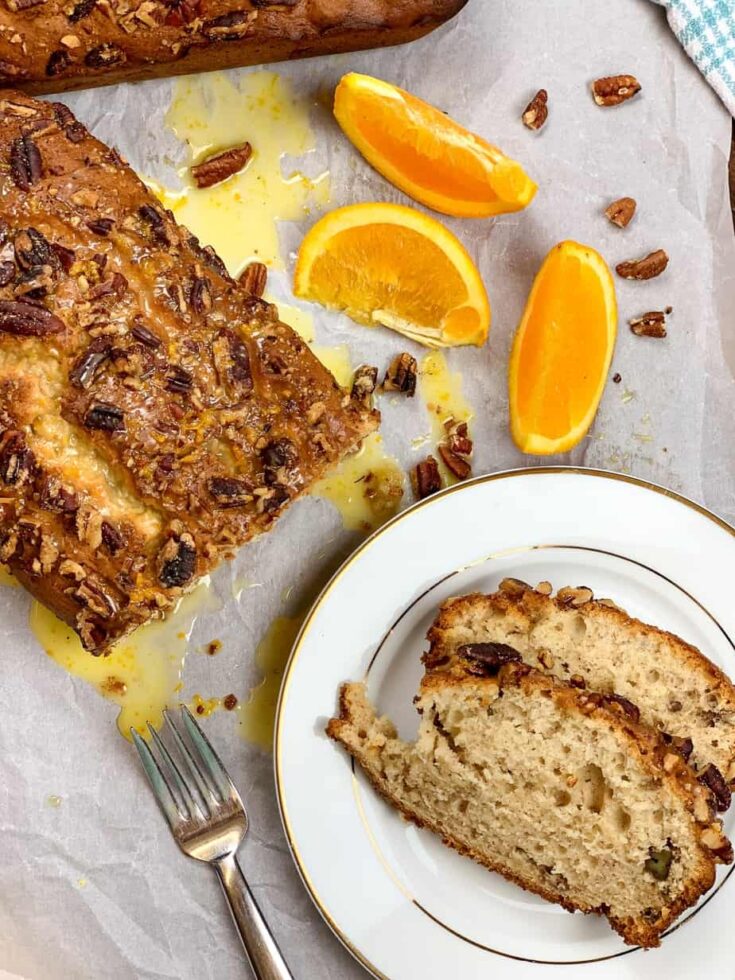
x=238 y=217
x=142 y=674
x=258 y=714
x=441 y=390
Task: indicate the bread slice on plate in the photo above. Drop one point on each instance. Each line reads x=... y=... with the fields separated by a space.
x=551 y=787
x=669 y=683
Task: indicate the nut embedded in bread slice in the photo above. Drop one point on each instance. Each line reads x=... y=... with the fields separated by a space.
x=672 y=685
x=550 y=787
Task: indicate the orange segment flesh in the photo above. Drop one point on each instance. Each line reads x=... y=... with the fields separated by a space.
x=391 y=265
x=562 y=350
x=427 y=155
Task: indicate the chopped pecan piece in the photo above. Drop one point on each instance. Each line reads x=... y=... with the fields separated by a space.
x=177 y=561
x=16 y=5
x=623 y=704
x=232 y=363
x=100 y=226
x=646 y=268
x=455 y=464
x=514 y=586
x=155 y=221
x=179 y=380
x=715 y=840
x=536 y=112
x=201 y=296
x=488 y=658
x=621 y=212
x=7 y=273
x=80 y=10
x=278 y=457
x=364 y=383
x=27 y=320
x=254 y=278
x=105 y=417
x=575 y=597
x=111 y=537
x=26 y=166
x=16 y=459
x=105 y=56
x=227 y=27
x=684 y=746
x=92 y=593
x=615 y=89
x=713 y=779
x=401 y=375
x=652 y=324
x=217 y=168
x=58 y=61
x=658 y=863
x=32 y=249
x=426 y=478
x=458 y=439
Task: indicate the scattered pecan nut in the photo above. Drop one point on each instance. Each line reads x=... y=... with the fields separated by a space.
x=614 y=89
x=715 y=841
x=426 y=479
x=104 y=417
x=401 y=375
x=455 y=464
x=364 y=383
x=575 y=597
x=536 y=112
x=217 y=168
x=621 y=212
x=649 y=267
x=652 y=324
x=254 y=278
x=230 y=492
x=514 y=586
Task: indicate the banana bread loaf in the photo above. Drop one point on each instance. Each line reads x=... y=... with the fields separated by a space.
x=153 y=415
x=548 y=786
x=55 y=45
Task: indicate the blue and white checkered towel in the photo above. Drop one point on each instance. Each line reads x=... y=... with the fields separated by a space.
x=706 y=29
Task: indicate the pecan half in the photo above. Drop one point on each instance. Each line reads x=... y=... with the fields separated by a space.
x=219 y=167
x=26 y=166
x=179 y=380
x=401 y=375
x=27 y=319
x=488 y=657
x=232 y=363
x=614 y=89
x=621 y=212
x=145 y=336
x=254 y=278
x=646 y=268
x=201 y=296
x=364 y=383
x=713 y=779
x=536 y=112
x=105 y=417
x=85 y=367
x=100 y=226
x=230 y=492
x=426 y=479
x=652 y=324
x=112 y=539
x=177 y=561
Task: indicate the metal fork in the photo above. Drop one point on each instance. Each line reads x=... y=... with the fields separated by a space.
x=208 y=821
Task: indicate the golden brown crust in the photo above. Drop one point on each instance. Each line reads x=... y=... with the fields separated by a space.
x=56 y=45
x=153 y=415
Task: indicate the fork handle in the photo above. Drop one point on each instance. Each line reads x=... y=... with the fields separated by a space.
x=263 y=954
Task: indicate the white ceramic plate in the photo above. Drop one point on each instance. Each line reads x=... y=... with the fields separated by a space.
x=405 y=905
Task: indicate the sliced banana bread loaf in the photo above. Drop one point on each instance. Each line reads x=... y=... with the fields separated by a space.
x=667 y=682
x=551 y=787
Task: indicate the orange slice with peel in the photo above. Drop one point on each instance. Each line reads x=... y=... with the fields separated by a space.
x=426 y=154
x=562 y=350
x=389 y=265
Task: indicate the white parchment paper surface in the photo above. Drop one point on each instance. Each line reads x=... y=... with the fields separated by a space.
x=147 y=912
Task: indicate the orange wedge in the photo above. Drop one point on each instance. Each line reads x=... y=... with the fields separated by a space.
x=384 y=264
x=562 y=350
x=426 y=154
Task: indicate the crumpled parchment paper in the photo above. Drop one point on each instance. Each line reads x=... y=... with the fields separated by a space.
x=96 y=888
